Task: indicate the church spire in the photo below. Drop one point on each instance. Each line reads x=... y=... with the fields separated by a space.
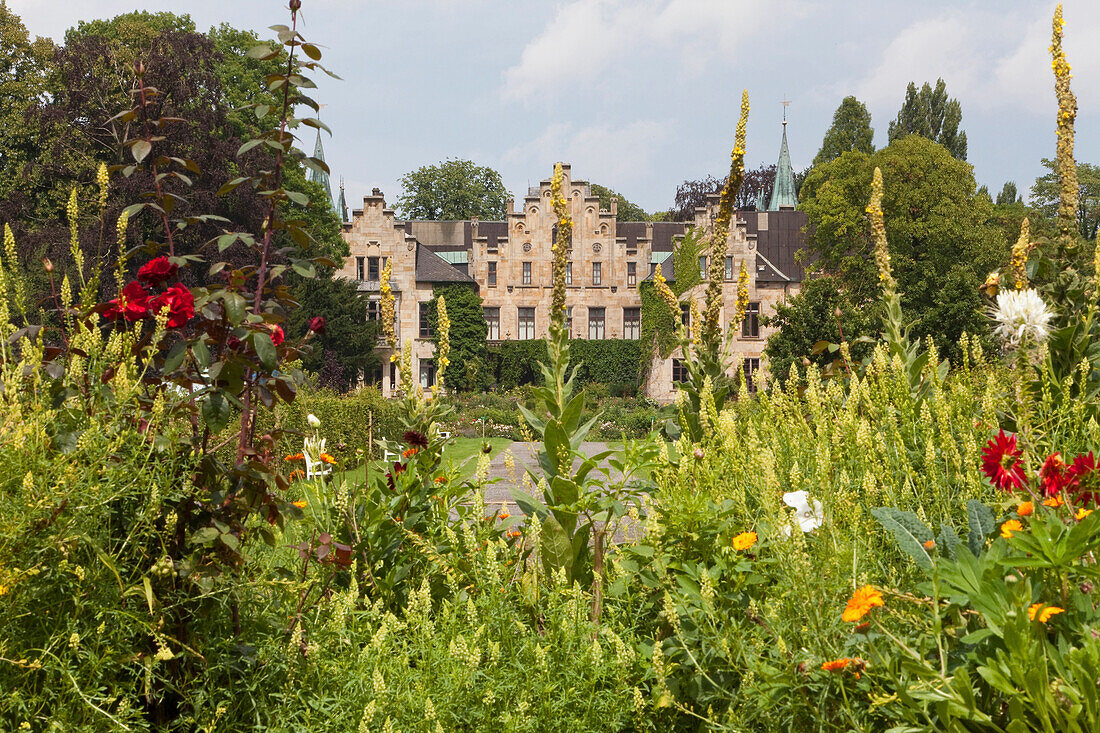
x=320 y=176
x=783 y=192
x=342 y=206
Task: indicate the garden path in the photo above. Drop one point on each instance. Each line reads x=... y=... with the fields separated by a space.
x=525 y=456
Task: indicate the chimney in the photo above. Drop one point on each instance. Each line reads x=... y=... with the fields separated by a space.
x=614 y=205
x=510 y=206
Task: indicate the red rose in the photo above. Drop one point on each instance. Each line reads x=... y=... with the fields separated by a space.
x=136 y=303
x=317 y=324
x=277 y=335
x=157 y=270
x=180 y=303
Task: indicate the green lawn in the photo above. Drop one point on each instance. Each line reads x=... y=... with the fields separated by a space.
x=460 y=456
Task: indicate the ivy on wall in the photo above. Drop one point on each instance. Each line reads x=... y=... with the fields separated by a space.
x=658 y=325
x=615 y=362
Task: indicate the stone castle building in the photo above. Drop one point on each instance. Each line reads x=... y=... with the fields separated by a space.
x=509 y=263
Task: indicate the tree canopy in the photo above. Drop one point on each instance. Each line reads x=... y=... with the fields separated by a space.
x=1045 y=196
x=76 y=128
x=452 y=190
x=932 y=115
x=941 y=240
x=628 y=211
x=345 y=351
x=851 y=130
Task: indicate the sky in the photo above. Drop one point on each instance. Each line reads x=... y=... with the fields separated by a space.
x=640 y=95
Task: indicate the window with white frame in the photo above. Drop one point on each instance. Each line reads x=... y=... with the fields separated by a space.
x=597 y=318
x=526 y=324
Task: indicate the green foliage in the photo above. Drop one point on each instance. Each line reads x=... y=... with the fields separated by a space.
x=23 y=79
x=614 y=362
x=469 y=353
x=453 y=189
x=349 y=338
x=627 y=211
x=350 y=421
x=940 y=243
x=658 y=335
x=1045 y=196
x=809 y=318
x=1008 y=194
x=930 y=114
x=851 y=131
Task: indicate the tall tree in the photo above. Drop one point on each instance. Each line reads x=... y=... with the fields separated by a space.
x=1008 y=194
x=628 y=211
x=941 y=241
x=24 y=67
x=452 y=190
x=851 y=130
x=1045 y=196
x=932 y=115
x=690 y=195
x=344 y=353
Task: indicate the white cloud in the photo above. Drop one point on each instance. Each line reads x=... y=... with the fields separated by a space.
x=991 y=61
x=613 y=156
x=585 y=37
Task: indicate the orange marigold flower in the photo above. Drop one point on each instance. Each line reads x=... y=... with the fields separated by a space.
x=295 y=457
x=514 y=533
x=503 y=515
x=297 y=474
x=1054 y=501
x=1012 y=525
x=326 y=458
x=929 y=544
x=861 y=602
x=410 y=452
x=1043 y=614
x=300 y=504
x=744 y=541
x=1082 y=513
x=1026 y=509
x=836 y=665
x=441 y=479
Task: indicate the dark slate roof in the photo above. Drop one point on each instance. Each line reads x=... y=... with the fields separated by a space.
x=778 y=244
x=663 y=234
x=630 y=232
x=431 y=268
x=493 y=231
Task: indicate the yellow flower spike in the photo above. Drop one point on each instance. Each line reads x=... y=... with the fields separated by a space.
x=443 y=344
x=1067 y=114
x=561 y=248
x=1020 y=251
x=102 y=179
x=878 y=231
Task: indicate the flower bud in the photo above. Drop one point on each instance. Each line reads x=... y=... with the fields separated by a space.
x=47 y=265
x=295 y=5
x=313 y=420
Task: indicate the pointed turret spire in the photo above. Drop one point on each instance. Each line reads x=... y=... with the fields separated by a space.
x=783 y=192
x=320 y=176
x=342 y=206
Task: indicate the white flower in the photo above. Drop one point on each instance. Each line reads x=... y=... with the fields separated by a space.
x=808 y=519
x=313 y=420
x=1020 y=312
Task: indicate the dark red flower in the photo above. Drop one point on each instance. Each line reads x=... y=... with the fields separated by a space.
x=1083 y=480
x=317 y=324
x=233 y=342
x=277 y=335
x=180 y=304
x=136 y=303
x=1052 y=476
x=416 y=439
x=1001 y=462
x=157 y=270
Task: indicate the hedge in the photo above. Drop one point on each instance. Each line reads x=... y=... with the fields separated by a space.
x=614 y=362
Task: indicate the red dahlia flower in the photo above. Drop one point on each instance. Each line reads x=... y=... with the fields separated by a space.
x=180 y=303
x=157 y=270
x=1083 y=479
x=1053 y=476
x=317 y=324
x=1001 y=462
x=136 y=306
